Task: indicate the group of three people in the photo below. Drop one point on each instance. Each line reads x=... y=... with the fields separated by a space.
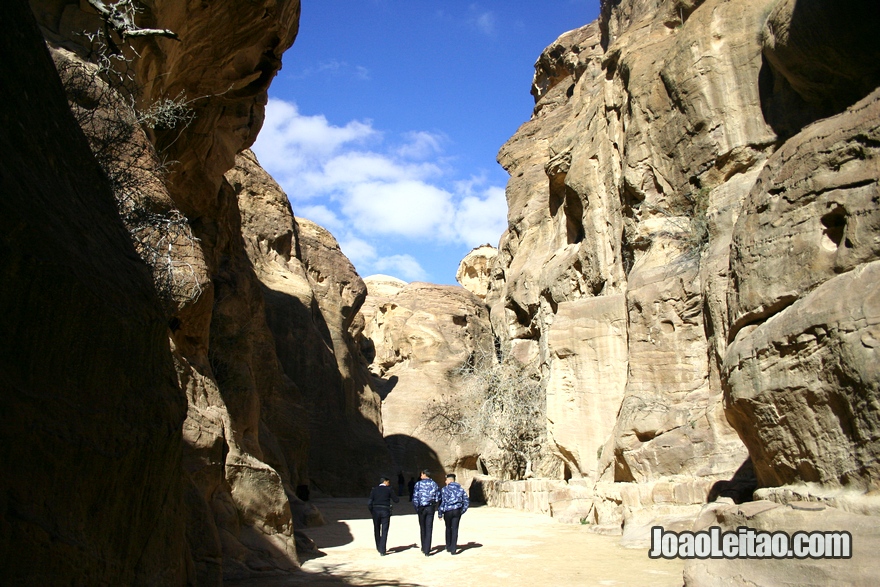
x=427 y=498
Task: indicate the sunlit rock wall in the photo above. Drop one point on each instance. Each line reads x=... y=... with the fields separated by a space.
x=416 y=337
x=692 y=213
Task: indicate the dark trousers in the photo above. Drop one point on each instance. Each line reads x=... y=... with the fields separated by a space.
x=381 y=521
x=452 y=518
x=426 y=526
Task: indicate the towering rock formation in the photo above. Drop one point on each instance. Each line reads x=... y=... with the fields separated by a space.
x=312 y=296
x=92 y=490
x=691 y=265
x=215 y=494
x=691 y=255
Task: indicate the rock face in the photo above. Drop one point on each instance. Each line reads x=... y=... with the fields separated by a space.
x=474 y=270
x=804 y=307
x=312 y=295
x=416 y=336
x=768 y=516
x=692 y=251
x=92 y=490
x=244 y=448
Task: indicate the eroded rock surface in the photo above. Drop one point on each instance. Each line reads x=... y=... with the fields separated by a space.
x=418 y=336
x=237 y=474
x=691 y=253
x=92 y=490
x=474 y=270
x=312 y=295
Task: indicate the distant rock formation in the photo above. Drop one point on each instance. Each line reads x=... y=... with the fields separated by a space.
x=474 y=270
x=415 y=337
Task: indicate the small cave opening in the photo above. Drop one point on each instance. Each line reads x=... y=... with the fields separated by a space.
x=834 y=229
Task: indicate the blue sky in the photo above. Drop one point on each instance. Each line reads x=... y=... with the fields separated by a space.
x=385 y=120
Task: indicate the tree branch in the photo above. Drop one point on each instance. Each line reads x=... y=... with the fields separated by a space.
x=121 y=22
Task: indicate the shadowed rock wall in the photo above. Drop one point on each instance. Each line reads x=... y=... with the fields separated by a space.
x=92 y=491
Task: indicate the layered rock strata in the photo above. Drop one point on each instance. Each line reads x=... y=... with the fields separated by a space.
x=691 y=251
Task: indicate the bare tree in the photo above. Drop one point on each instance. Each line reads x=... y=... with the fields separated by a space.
x=102 y=95
x=497 y=399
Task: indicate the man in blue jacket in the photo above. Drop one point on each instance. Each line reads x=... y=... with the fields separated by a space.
x=453 y=503
x=425 y=497
x=380 y=507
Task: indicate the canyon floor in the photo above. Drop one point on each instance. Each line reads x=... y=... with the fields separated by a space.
x=499 y=548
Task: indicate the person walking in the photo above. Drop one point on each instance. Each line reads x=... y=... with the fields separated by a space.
x=380 y=507
x=453 y=504
x=425 y=497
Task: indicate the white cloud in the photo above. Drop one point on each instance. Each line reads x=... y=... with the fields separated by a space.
x=291 y=143
x=359 y=252
x=366 y=259
x=335 y=68
x=482 y=218
x=368 y=191
x=362 y=73
x=322 y=216
x=408 y=208
x=486 y=23
x=421 y=145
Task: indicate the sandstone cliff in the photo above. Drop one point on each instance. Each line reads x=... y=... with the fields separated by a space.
x=92 y=490
x=312 y=296
x=416 y=336
x=691 y=256
x=691 y=267
x=215 y=495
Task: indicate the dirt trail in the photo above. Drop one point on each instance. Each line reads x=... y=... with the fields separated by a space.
x=500 y=548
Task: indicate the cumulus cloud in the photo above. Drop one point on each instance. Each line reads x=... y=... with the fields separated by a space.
x=322 y=216
x=365 y=187
x=482 y=217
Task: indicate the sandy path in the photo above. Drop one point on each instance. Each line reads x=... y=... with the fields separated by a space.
x=500 y=548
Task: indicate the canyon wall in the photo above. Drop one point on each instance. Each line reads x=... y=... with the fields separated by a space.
x=691 y=268
x=691 y=260
x=92 y=490
x=239 y=385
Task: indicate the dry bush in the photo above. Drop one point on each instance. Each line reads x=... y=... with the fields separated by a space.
x=102 y=94
x=500 y=400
